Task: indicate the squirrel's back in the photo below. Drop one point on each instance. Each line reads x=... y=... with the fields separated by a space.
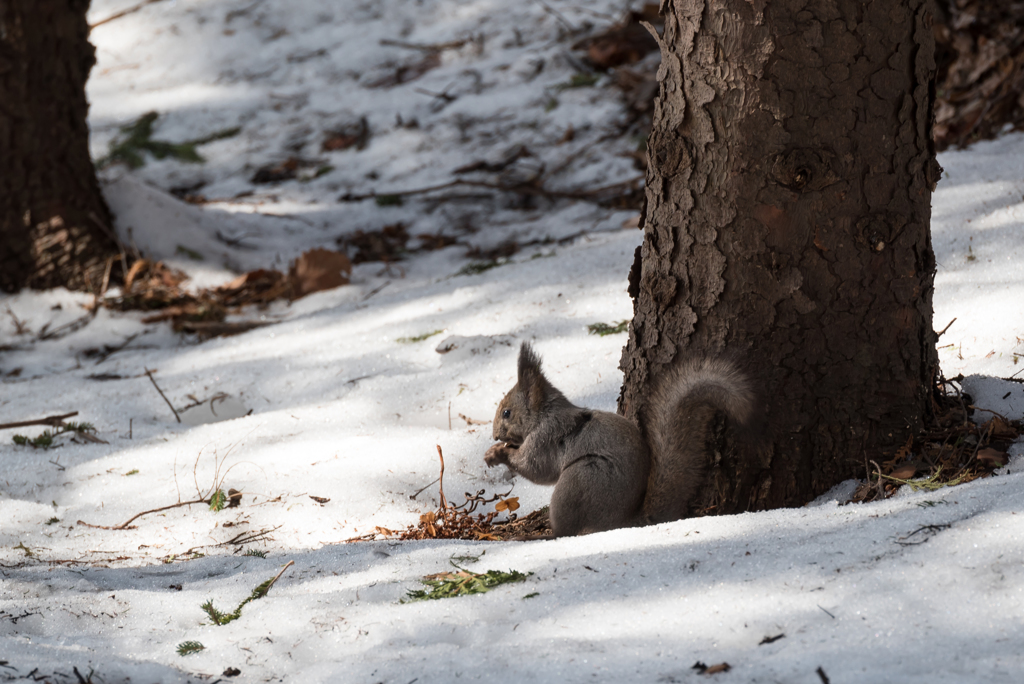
x=680 y=420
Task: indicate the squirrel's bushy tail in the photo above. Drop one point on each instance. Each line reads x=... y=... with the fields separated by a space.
x=680 y=425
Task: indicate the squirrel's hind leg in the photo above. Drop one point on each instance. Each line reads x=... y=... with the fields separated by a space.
x=590 y=498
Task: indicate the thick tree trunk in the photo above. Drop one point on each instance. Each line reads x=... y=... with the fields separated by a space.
x=54 y=224
x=789 y=186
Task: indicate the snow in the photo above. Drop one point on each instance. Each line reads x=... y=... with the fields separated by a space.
x=923 y=587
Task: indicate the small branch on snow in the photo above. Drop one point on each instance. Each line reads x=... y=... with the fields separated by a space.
x=125 y=524
x=420 y=491
x=558 y=15
x=522 y=189
x=239 y=540
x=425 y=47
x=46 y=334
x=52 y=421
x=19 y=325
x=110 y=351
x=122 y=13
x=149 y=374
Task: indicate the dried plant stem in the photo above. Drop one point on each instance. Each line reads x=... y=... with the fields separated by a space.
x=440 y=479
x=278 y=575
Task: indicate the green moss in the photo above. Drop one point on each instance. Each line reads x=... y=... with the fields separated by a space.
x=603 y=329
x=418 y=338
x=461 y=583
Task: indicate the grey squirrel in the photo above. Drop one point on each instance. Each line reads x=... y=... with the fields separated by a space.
x=605 y=475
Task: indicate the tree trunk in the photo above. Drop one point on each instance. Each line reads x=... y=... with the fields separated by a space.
x=54 y=225
x=789 y=199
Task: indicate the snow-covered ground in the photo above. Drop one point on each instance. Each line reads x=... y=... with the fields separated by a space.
x=924 y=587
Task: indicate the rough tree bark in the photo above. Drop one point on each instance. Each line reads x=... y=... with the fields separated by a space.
x=54 y=224
x=789 y=187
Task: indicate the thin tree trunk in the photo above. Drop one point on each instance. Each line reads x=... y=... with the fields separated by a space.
x=789 y=186
x=54 y=225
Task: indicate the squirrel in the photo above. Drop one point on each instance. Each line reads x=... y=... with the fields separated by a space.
x=605 y=475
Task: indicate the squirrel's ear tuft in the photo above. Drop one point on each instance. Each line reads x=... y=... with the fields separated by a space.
x=529 y=364
x=532 y=382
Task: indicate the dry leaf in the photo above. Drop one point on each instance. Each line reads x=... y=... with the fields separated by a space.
x=133 y=272
x=993 y=458
x=1000 y=429
x=386 y=244
x=255 y=287
x=487 y=536
x=905 y=471
x=354 y=134
x=510 y=504
x=275 y=173
x=319 y=269
x=720 y=667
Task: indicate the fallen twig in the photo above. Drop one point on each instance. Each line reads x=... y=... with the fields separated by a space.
x=420 y=490
x=239 y=540
x=19 y=325
x=215 y=492
x=377 y=289
x=220 y=328
x=67 y=328
x=425 y=47
x=126 y=523
x=149 y=374
x=122 y=13
x=52 y=421
x=444 y=95
x=941 y=332
x=110 y=351
x=248 y=537
x=521 y=188
x=558 y=15
x=930 y=530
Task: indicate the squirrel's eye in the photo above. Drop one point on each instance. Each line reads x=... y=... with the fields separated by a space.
x=506 y=413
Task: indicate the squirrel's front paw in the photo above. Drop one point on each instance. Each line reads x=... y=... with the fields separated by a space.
x=496 y=455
